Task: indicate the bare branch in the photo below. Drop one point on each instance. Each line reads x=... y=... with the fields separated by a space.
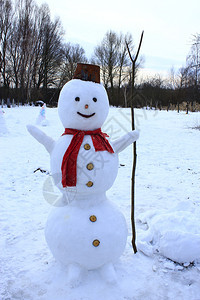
x=129 y=52
x=138 y=51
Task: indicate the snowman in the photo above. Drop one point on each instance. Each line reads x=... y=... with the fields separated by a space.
x=85 y=231
x=41 y=119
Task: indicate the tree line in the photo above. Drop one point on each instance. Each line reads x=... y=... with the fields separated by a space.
x=181 y=90
x=35 y=62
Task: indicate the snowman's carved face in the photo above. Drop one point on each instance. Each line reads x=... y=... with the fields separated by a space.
x=83 y=105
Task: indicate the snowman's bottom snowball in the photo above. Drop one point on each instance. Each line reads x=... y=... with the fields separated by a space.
x=70 y=234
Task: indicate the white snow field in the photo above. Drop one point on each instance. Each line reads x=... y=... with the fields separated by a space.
x=167 y=210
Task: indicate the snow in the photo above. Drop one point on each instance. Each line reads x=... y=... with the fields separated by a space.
x=3 y=128
x=167 y=264
x=174 y=234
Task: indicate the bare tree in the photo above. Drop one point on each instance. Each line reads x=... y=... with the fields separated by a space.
x=22 y=46
x=6 y=12
x=72 y=54
x=193 y=64
x=34 y=48
x=51 y=56
x=193 y=59
x=112 y=56
x=106 y=55
x=124 y=65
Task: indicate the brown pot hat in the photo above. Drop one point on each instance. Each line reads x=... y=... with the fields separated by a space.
x=87 y=72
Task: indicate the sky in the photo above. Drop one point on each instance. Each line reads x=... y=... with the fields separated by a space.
x=168 y=27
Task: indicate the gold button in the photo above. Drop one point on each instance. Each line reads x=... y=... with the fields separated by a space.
x=96 y=243
x=87 y=147
x=93 y=218
x=89 y=184
x=90 y=166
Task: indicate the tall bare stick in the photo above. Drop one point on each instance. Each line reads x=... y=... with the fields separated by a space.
x=134 y=145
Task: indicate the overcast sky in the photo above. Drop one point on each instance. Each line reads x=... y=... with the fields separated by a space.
x=168 y=26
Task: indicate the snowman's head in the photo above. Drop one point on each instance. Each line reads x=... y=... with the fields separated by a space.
x=83 y=105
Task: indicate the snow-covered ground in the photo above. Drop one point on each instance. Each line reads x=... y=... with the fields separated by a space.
x=167 y=210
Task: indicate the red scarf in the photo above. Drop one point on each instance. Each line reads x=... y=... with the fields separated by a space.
x=69 y=162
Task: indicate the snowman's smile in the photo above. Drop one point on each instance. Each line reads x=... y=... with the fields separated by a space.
x=85 y=116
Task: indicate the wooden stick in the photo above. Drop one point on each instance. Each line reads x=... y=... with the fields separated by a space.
x=133 y=187
x=134 y=145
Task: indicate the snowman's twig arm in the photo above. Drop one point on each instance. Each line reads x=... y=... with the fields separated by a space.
x=123 y=142
x=41 y=137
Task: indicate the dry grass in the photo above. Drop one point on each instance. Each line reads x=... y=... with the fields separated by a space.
x=183 y=107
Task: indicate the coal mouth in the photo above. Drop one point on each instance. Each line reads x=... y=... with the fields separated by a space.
x=85 y=116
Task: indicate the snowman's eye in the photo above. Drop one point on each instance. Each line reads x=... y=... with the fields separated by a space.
x=94 y=99
x=77 y=99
